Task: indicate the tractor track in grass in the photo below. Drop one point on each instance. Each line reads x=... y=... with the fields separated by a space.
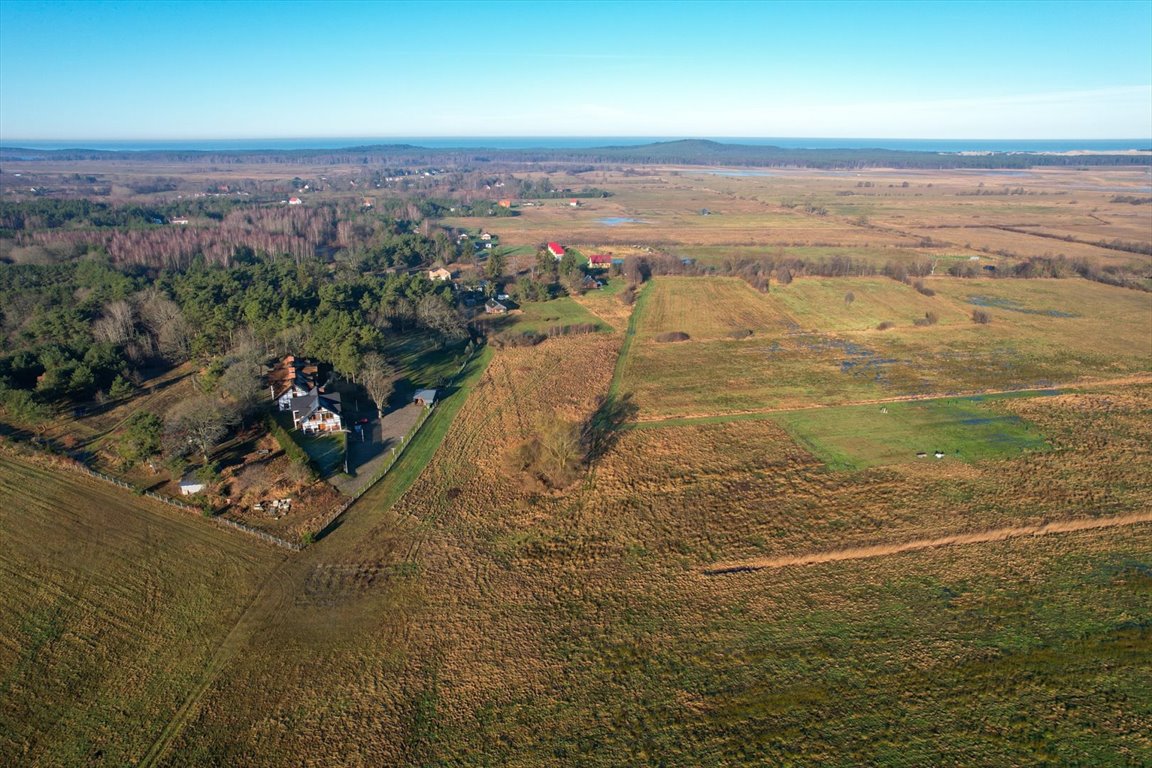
x=883 y=550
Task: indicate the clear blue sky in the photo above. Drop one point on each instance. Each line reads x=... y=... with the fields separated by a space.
x=123 y=70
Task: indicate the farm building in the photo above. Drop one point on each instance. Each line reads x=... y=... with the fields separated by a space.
x=556 y=250
x=295 y=201
x=600 y=261
x=493 y=307
x=425 y=397
x=317 y=412
x=440 y=274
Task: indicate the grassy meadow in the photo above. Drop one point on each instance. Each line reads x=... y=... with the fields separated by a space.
x=461 y=614
x=112 y=610
x=480 y=622
x=826 y=351
x=858 y=436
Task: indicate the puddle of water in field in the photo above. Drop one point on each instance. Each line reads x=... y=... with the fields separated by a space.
x=612 y=221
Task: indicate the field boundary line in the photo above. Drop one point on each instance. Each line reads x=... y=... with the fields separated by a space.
x=629 y=336
x=882 y=550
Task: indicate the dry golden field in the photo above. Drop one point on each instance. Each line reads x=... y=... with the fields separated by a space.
x=460 y=615
x=481 y=623
x=874 y=214
x=112 y=609
x=1042 y=333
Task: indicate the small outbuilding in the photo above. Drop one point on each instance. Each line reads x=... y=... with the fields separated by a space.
x=190 y=486
x=493 y=307
x=425 y=397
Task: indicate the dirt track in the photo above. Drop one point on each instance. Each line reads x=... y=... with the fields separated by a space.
x=880 y=550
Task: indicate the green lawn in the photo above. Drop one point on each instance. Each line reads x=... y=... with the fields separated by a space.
x=542 y=315
x=326 y=451
x=964 y=428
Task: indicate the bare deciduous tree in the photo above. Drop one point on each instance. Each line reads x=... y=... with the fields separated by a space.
x=379 y=378
x=116 y=324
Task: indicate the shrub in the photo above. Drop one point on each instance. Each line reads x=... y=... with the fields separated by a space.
x=521 y=339
x=627 y=296
x=672 y=336
x=923 y=289
x=980 y=316
x=929 y=318
x=576 y=329
x=290 y=447
x=739 y=333
x=885 y=325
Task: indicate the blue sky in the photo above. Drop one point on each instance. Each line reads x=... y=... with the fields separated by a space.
x=157 y=70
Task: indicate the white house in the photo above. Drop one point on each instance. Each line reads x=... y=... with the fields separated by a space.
x=317 y=412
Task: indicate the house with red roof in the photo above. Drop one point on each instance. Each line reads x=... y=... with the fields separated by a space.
x=556 y=250
x=599 y=261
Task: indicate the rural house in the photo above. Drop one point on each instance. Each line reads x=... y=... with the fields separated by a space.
x=600 y=261
x=291 y=377
x=493 y=307
x=556 y=250
x=317 y=412
x=440 y=274
x=295 y=201
x=425 y=397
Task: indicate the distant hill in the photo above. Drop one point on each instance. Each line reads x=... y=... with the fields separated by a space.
x=681 y=152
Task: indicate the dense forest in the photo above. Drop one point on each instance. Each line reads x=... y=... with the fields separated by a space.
x=92 y=296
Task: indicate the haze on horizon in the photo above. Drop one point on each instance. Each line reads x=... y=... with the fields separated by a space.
x=941 y=70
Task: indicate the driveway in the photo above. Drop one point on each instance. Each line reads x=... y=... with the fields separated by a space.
x=370 y=447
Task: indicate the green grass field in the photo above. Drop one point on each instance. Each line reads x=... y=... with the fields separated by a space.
x=964 y=429
x=542 y=315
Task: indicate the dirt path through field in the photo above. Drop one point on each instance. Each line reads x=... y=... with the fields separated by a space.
x=764 y=413
x=881 y=550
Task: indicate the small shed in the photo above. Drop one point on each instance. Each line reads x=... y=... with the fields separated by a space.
x=190 y=486
x=493 y=307
x=425 y=397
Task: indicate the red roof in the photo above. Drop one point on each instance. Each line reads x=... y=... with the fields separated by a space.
x=556 y=249
x=600 y=258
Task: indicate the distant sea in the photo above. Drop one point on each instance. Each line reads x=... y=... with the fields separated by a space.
x=585 y=142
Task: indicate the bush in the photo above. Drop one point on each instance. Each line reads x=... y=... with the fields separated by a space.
x=981 y=317
x=290 y=447
x=929 y=318
x=672 y=336
x=885 y=325
x=627 y=296
x=923 y=289
x=576 y=329
x=522 y=339
x=739 y=333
